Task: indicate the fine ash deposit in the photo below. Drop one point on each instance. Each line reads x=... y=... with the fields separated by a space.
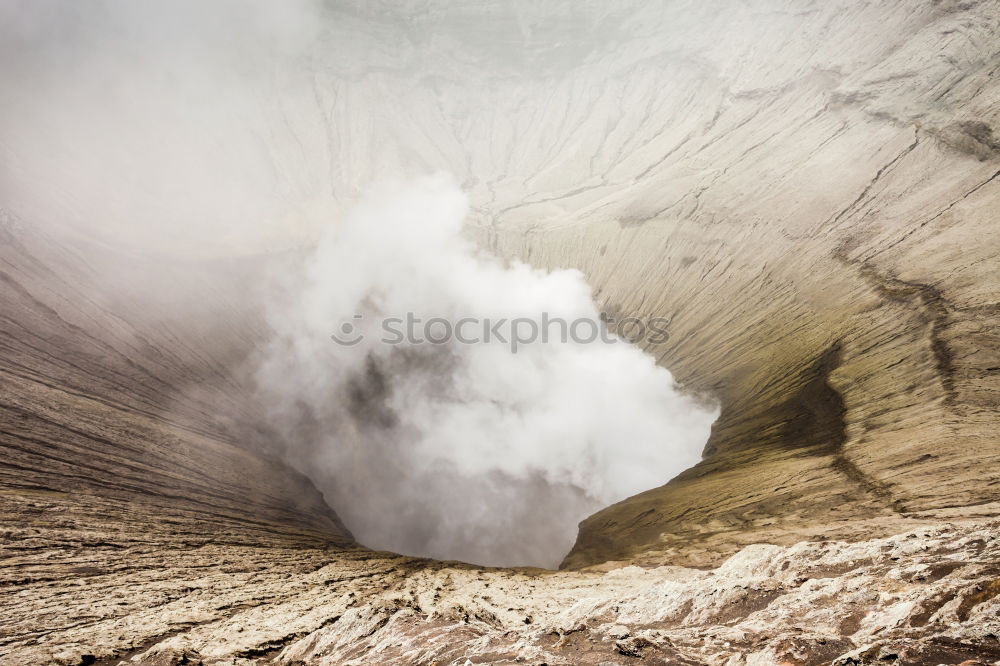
x=808 y=191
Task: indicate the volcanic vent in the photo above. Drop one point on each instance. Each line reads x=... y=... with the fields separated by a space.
x=807 y=193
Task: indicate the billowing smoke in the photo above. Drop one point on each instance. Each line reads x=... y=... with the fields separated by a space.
x=174 y=137
x=463 y=448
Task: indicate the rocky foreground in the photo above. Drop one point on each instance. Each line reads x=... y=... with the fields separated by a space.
x=808 y=190
x=929 y=596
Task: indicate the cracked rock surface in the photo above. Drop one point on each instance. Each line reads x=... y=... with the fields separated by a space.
x=928 y=596
x=809 y=191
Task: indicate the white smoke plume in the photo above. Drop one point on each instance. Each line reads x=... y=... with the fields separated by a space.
x=179 y=136
x=463 y=451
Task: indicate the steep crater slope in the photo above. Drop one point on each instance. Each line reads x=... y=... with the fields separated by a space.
x=115 y=465
x=821 y=232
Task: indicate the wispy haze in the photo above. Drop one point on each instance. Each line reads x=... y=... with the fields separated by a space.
x=170 y=132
